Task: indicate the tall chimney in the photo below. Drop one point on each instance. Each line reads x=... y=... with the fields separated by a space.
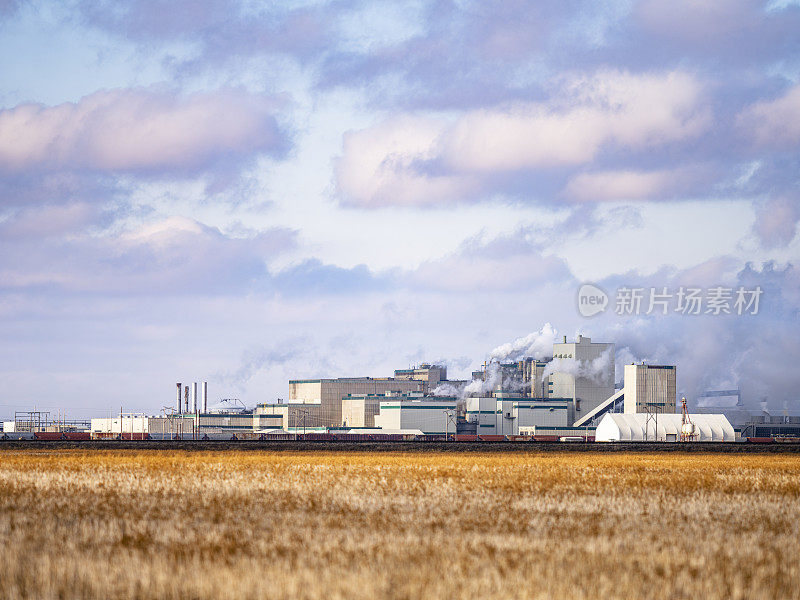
x=194 y=397
x=186 y=398
x=178 y=406
x=205 y=396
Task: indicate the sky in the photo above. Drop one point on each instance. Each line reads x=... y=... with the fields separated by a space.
x=250 y=192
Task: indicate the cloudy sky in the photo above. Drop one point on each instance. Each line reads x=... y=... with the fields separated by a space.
x=248 y=192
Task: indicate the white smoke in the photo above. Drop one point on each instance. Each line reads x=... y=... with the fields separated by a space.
x=494 y=380
x=538 y=345
x=448 y=389
x=598 y=369
x=488 y=384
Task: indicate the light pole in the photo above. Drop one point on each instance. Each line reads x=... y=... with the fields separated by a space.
x=449 y=415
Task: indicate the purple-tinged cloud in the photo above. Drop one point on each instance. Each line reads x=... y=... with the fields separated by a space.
x=507 y=263
x=176 y=256
x=776 y=221
x=141 y=131
x=43 y=222
x=774 y=123
x=723 y=31
x=218 y=31
x=631 y=184
x=422 y=160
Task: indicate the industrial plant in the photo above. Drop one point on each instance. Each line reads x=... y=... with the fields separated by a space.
x=571 y=395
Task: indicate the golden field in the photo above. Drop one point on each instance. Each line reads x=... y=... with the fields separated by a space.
x=247 y=524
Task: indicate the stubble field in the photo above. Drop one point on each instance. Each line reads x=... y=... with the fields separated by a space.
x=174 y=524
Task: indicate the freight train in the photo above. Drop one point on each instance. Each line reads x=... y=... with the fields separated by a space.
x=79 y=436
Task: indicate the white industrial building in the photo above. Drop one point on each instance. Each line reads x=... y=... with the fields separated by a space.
x=321 y=399
x=360 y=410
x=429 y=416
x=221 y=423
x=506 y=414
x=648 y=389
x=584 y=371
x=641 y=427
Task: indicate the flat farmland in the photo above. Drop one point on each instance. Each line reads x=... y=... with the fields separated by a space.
x=254 y=524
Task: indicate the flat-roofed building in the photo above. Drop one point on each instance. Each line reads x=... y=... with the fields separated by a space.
x=650 y=388
x=359 y=410
x=321 y=399
x=584 y=371
x=431 y=374
x=505 y=414
x=434 y=415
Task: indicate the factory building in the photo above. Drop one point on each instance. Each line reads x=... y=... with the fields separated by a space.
x=584 y=371
x=534 y=378
x=360 y=410
x=429 y=416
x=764 y=426
x=322 y=398
x=431 y=374
x=505 y=414
x=219 y=423
x=667 y=427
x=525 y=377
x=649 y=388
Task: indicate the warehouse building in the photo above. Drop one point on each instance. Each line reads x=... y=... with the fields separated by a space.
x=505 y=414
x=321 y=399
x=429 y=416
x=432 y=375
x=212 y=424
x=639 y=427
x=360 y=410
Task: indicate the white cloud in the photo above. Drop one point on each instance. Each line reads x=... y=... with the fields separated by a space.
x=631 y=111
x=627 y=184
x=415 y=160
x=138 y=130
x=176 y=256
x=776 y=221
x=774 y=123
x=380 y=165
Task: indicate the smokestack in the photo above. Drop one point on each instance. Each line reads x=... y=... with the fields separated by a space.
x=178 y=406
x=186 y=398
x=565 y=339
x=205 y=396
x=194 y=397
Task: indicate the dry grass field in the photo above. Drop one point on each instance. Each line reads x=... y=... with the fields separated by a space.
x=173 y=524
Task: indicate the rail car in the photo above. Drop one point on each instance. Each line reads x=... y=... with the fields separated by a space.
x=79 y=436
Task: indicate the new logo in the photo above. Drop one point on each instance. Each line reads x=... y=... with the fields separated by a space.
x=591 y=300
